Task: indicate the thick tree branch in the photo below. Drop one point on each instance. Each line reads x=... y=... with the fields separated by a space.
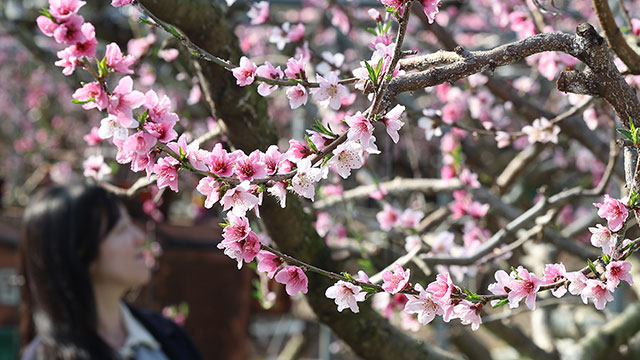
x=614 y=37
x=600 y=343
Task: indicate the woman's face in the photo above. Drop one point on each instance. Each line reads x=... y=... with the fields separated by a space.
x=121 y=263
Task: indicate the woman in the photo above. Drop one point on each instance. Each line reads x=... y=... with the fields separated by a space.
x=80 y=254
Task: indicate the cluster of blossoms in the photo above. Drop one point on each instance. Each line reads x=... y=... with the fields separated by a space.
x=243 y=245
x=329 y=93
x=442 y=297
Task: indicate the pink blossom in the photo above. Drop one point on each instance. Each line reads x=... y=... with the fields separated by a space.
x=410 y=219
x=220 y=162
x=268 y=71
x=210 y=188
x=140 y=143
x=298 y=150
x=603 y=237
x=361 y=129
x=392 y=122
x=62 y=10
x=259 y=12
x=614 y=211
x=250 y=167
x=598 y=292
x=68 y=60
x=242 y=250
x=469 y=178
x=388 y=217
x=167 y=171
x=616 y=271
x=442 y=243
x=542 y=130
x=70 y=31
x=635 y=27
x=548 y=65
x=95 y=167
x=168 y=55
x=452 y=112
x=239 y=199
x=346 y=156
x=88 y=46
x=296 y=33
x=553 y=273
x=297 y=96
x=430 y=8
x=379 y=193
x=503 y=139
x=526 y=285
x=340 y=20
x=396 y=280
x=142 y=162
x=330 y=92
x=246 y=72
x=425 y=305
x=272 y=159
x=93 y=95
x=577 y=283
x=110 y=126
x=521 y=24
x=279 y=191
x=164 y=132
x=123 y=101
x=46 y=25
x=306 y=176
x=159 y=108
x=296 y=68
x=118 y=3
x=138 y=47
x=237 y=229
x=268 y=263
x=469 y=313
x=375 y=15
x=502 y=286
x=294 y=279
x=93 y=137
x=346 y=295
x=116 y=60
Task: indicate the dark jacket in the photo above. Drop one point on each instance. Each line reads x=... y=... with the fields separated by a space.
x=176 y=343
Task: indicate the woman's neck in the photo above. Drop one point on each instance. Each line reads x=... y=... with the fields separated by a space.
x=110 y=323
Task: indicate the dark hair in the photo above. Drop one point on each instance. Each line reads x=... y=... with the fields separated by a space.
x=63 y=228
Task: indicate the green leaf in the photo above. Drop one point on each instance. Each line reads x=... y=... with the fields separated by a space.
x=372 y=73
x=386 y=28
x=76 y=101
x=45 y=12
x=312 y=146
x=629 y=245
x=142 y=20
x=500 y=303
x=592 y=266
x=372 y=31
x=606 y=258
x=348 y=276
x=174 y=32
x=471 y=295
x=626 y=134
x=378 y=68
x=326 y=159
